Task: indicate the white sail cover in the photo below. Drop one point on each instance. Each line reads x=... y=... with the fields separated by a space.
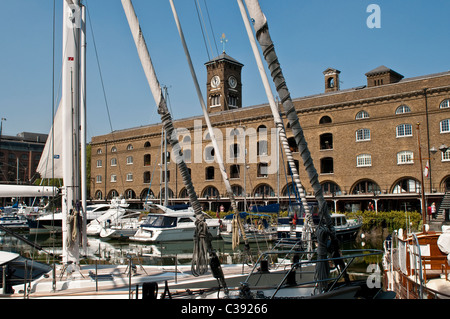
x=27 y=191
x=45 y=167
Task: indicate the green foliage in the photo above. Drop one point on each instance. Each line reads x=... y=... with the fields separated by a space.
x=391 y=220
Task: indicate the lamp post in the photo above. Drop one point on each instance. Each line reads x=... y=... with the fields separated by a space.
x=424 y=211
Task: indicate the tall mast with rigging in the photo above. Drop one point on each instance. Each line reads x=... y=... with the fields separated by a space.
x=326 y=228
x=70 y=103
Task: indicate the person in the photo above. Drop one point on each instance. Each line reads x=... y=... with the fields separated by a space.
x=429 y=212
x=433 y=210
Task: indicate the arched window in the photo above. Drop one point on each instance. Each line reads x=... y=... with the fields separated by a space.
x=403 y=109
x=406 y=185
x=129 y=147
x=362 y=115
x=264 y=190
x=113 y=149
x=331 y=188
x=147 y=144
x=237 y=190
x=112 y=193
x=183 y=193
x=325 y=120
x=445 y=104
x=130 y=194
x=99 y=151
x=366 y=187
x=98 y=195
x=209 y=154
x=210 y=191
x=331 y=83
x=261 y=129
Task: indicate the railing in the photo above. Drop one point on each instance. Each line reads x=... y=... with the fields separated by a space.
x=299 y=264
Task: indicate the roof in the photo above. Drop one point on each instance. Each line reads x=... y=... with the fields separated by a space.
x=224 y=56
x=382 y=69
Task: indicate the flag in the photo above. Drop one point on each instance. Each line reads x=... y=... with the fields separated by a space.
x=426 y=170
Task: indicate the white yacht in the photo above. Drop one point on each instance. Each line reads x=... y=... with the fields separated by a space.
x=172 y=226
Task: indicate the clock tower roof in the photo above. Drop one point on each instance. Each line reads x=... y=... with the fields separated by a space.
x=223 y=57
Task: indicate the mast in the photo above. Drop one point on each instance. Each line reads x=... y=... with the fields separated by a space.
x=83 y=124
x=217 y=151
x=308 y=225
x=325 y=228
x=202 y=243
x=70 y=103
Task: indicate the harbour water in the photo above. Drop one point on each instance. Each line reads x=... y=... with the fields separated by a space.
x=169 y=253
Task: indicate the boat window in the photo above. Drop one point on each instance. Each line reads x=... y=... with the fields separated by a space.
x=161 y=221
x=185 y=220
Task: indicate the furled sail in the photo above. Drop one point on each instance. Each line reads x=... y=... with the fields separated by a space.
x=27 y=191
x=50 y=164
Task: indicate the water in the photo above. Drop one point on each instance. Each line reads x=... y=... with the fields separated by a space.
x=169 y=253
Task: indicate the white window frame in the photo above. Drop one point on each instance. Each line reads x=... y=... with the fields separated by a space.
x=402 y=109
x=99 y=163
x=113 y=178
x=114 y=161
x=446 y=156
x=98 y=179
x=362 y=115
x=445 y=104
x=444 y=126
x=363 y=134
x=129 y=160
x=364 y=160
x=406 y=128
x=405 y=157
x=129 y=177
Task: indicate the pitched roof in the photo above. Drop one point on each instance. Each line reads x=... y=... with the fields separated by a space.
x=224 y=56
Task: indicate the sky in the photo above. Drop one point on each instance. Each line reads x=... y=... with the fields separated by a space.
x=412 y=37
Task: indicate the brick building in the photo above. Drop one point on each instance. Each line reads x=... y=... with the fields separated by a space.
x=19 y=157
x=364 y=142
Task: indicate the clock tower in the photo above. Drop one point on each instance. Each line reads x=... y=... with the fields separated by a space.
x=224 y=86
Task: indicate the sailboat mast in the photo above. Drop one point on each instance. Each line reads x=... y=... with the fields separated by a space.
x=326 y=228
x=308 y=225
x=70 y=144
x=83 y=124
x=217 y=151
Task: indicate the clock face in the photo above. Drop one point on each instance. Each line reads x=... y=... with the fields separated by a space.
x=215 y=81
x=232 y=81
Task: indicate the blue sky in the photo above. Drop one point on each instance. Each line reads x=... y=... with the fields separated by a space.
x=309 y=36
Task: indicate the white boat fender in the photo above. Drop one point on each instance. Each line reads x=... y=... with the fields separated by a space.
x=443 y=243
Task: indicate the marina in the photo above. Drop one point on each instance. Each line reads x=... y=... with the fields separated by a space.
x=103 y=235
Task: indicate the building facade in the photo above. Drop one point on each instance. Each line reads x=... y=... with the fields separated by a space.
x=369 y=144
x=19 y=157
